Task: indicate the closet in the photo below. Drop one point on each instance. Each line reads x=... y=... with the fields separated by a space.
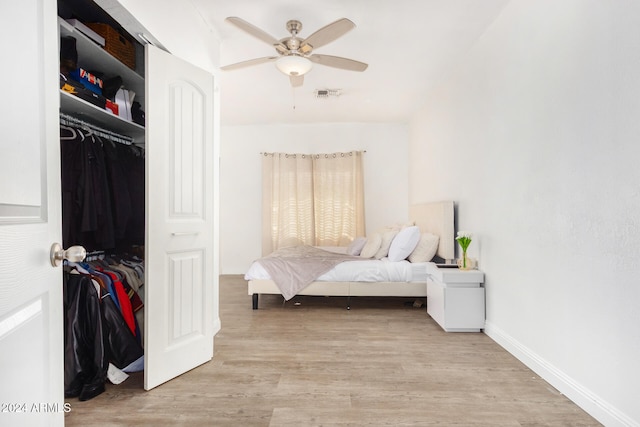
x=153 y=204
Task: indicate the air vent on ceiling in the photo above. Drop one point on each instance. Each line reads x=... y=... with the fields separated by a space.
x=326 y=93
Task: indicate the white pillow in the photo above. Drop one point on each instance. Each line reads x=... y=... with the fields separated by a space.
x=371 y=247
x=404 y=243
x=426 y=248
x=387 y=238
x=356 y=246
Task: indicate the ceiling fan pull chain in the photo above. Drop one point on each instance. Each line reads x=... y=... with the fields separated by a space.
x=293 y=97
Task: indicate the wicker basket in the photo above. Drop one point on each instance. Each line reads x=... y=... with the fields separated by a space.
x=116 y=44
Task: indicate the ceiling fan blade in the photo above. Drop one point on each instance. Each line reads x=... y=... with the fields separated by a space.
x=296 y=81
x=254 y=31
x=249 y=63
x=338 y=62
x=328 y=33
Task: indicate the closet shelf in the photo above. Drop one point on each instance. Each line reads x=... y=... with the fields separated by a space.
x=93 y=57
x=74 y=106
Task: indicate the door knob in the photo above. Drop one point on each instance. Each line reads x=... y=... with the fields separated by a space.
x=73 y=254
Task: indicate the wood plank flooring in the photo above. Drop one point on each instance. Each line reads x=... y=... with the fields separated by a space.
x=311 y=362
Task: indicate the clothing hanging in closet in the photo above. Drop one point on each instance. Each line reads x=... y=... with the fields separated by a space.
x=102 y=191
x=102 y=210
x=103 y=323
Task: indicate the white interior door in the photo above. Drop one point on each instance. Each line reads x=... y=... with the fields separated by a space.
x=179 y=283
x=31 y=319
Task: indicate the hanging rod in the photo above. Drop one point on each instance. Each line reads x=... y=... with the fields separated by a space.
x=68 y=120
x=263 y=153
x=94 y=255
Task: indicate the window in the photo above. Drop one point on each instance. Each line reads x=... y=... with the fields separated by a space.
x=313 y=199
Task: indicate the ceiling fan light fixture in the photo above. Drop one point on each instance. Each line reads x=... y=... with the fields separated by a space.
x=293 y=65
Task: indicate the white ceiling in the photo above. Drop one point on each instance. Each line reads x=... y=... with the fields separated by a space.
x=409 y=45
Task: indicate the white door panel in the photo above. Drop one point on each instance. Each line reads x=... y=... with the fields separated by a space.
x=179 y=284
x=31 y=320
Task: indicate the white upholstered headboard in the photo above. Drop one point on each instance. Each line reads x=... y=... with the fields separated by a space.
x=437 y=218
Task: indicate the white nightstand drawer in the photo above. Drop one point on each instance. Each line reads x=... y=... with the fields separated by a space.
x=455 y=299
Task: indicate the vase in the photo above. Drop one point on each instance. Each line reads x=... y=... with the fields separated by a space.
x=466 y=263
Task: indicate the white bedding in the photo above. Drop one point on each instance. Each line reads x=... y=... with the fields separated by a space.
x=360 y=271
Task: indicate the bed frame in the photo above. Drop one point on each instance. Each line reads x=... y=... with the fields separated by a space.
x=434 y=217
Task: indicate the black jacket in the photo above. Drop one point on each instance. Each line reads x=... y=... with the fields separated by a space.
x=95 y=334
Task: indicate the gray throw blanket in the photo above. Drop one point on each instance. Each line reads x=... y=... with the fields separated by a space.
x=294 y=268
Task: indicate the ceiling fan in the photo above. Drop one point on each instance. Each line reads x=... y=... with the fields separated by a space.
x=295 y=55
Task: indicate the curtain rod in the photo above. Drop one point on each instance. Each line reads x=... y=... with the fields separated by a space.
x=316 y=154
x=68 y=120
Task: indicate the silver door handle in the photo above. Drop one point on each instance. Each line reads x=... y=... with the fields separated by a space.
x=73 y=254
x=184 y=233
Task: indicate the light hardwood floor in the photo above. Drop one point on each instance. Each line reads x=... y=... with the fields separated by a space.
x=382 y=363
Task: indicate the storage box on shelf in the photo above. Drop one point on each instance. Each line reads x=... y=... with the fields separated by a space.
x=455 y=299
x=87 y=31
x=115 y=43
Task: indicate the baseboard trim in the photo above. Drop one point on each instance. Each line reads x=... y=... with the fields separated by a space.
x=581 y=396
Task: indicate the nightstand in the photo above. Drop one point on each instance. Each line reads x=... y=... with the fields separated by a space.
x=455 y=298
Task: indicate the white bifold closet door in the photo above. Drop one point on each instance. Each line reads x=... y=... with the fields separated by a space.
x=179 y=284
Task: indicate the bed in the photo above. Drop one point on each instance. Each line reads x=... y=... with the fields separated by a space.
x=364 y=276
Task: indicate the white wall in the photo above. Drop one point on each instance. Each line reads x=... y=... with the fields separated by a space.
x=536 y=135
x=385 y=169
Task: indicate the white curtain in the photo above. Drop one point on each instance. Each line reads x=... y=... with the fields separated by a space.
x=313 y=199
